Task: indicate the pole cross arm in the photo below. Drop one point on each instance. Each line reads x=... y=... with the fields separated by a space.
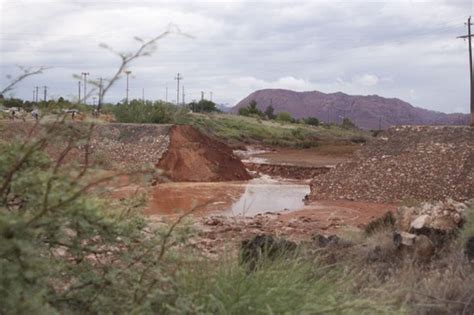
x=465 y=36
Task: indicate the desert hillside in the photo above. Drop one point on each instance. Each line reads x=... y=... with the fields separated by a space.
x=366 y=111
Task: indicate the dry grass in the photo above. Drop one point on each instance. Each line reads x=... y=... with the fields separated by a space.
x=442 y=285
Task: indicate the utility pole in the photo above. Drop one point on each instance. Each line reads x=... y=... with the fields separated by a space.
x=45 y=93
x=184 y=102
x=202 y=95
x=178 y=78
x=79 y=92
x=126 y=89
x=37 y=91
x=211 y=95
x=100 y=94
x=469 y=36
x=33 y=96
x=85 y=74
x=143 y=95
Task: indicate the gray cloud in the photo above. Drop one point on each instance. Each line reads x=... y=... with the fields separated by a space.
x=403 y=49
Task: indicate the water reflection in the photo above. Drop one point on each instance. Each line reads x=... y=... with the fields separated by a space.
x=230 y=198
x=275 y=197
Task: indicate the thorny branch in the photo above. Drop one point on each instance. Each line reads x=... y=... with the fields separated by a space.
x=26 y=72
x=146 y=48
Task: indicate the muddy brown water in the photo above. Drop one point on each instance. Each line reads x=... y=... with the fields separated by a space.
x=229 y=198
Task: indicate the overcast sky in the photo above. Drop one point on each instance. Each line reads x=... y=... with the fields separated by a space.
x=403 y=49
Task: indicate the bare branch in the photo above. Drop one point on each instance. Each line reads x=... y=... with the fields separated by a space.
x=146 y=49
x=26 y=72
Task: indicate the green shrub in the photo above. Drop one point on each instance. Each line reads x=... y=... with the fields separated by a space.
x=149 y=112
x=468 y=227
x=281 y=287
x=348 y=124
x=251 y=110
x=284 y=117
x=313 y=121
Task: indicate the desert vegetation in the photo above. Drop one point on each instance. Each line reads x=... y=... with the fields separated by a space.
x=67 y=248
x=289 y=202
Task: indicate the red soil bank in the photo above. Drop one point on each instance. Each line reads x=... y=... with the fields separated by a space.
x=195 y=157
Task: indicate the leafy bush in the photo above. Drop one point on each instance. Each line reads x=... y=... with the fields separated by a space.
x=348 y=124
x=313 y=121
x=62 y=251
x=149 y=112
x=270 y=112
x=284 y=117
x=203 y=106
x=251 y=110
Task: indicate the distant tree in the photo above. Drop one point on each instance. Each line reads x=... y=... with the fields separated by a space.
x=13 y=102
x=244 y=111
x=284 y=117
x=203 y=106
x=251 y=110
x=269 y=112
x=348 y=124
x=313 y=121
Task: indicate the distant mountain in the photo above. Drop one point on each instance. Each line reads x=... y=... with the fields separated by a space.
x=223 y=108
x=365 y=111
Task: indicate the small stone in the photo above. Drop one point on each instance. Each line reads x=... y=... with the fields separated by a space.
x=404 y=238
x=213 y=222
x=420 y=222
x=457 y=218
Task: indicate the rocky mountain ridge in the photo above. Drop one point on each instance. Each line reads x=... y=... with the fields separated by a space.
x=368 y=112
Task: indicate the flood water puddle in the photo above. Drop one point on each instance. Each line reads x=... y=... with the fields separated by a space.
x=228 y=198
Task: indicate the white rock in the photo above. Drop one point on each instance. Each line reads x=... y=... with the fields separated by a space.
x=408 y=239
x=420 y=222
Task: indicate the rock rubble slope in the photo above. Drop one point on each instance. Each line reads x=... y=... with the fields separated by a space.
x=406 y=162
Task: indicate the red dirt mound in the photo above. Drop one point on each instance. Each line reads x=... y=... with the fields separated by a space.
x=195 y=157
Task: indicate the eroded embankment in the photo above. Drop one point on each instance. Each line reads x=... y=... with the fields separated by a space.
x=408 y=162
x=195 y=157
x=182 y=152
